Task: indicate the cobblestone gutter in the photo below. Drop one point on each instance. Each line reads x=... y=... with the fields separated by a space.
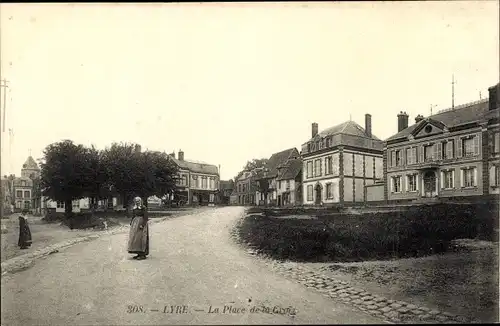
x=376 y=305
x=25 y=261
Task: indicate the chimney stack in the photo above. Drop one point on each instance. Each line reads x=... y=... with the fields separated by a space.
x=368 y=125
x=137 y=148
x=494 y=101
x=181 y=155
x=314 y=129
x=172 y=154
x=402 y=121
x=419 y=118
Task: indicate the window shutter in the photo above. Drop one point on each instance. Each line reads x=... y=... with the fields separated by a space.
x=393 y=158
x=462 y=175
x=403 y=156
x=492 y=173
x=442 y=179
x=435 y=151
x=407 y=181
x=421 y=153
x=459 y=147
x=476 y=145
x=497 y=142
x=440 y=151
x=320 y=167
x=475 y=178
x=392 y=184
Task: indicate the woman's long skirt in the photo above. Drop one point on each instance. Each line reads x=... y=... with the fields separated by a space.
x=24 y=234
x=138 y=239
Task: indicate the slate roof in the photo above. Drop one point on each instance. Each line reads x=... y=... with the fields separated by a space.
x=196 y=167
x=460 y=115
x=291 y=170
x=346 y=128
x=276 y=160
x=30 y=164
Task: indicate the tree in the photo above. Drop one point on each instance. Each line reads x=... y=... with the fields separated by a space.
x=263 y=184
x=121 y=162
x=255 y=163
x=62 y=169
x=96 y=179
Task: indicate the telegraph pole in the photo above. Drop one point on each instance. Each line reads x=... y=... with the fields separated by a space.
x=5 y=86
x=453 y=91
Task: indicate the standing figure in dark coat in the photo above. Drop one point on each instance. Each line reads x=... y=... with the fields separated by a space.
x=138 y=241
x=24 y=232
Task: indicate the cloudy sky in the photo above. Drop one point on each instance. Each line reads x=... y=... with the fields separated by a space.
x=230 y=82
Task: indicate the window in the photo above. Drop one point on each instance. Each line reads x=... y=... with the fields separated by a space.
x=75 y=204
x=329 y=191
x=309 y=169
x=469 y=177
x=19 y=194
x=287 y=184
x=393 y=158
x=279 y=184
x=496 y=181
x=411 y=155
x=23 y=183
x=19 y=204
x=470 y=146
x=185 y=180
x=438 y=151
x=428 y=153
x=328 y=165
x=328 y=142
x=448 y=149
x=317 y=168
x=309 y=193
x=205 y=182
x=60 y=204
x=448 y=182
x=496 y=142
x=396 y=184
x=398 y=158
x=411 y=181
x=239 y=187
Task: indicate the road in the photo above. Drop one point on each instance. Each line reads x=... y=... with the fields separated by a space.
x=193 y=264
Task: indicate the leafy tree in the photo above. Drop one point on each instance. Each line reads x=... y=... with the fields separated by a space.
x=62 y=169
x=96 y=180
x=121 y=165
x=255 y=163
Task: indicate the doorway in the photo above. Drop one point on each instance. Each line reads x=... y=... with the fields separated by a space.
x=318 y=194
x=429 y=184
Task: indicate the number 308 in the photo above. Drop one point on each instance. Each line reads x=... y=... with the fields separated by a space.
x=132 y=309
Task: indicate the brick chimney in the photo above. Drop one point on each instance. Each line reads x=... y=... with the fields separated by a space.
x=137 y=148
x=402 y=121
x=368 y=125
x=181 y=155
x=314 y=129
x=419 y=118
x=494 y=102
x=172 y=154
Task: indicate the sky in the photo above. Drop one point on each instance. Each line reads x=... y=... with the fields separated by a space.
x=227 y=83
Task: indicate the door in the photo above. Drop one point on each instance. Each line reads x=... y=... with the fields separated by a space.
x=318 y=195
x=429 y=184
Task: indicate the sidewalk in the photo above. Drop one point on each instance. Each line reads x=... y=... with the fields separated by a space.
x=51 y=237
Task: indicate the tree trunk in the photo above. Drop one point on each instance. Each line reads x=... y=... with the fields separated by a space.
x=127 y=203
x=145 y=203
x=68 y=212
x=93 y=204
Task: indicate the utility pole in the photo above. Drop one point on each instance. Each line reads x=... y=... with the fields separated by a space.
x=5 y=86
x=453 y=91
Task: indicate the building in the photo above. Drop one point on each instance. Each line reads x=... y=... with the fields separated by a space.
x=266 y=178
x=339 y=162
x=289 y=183
x=198 y=182
x=245 y=187
x=453 y=154
x=225 y=190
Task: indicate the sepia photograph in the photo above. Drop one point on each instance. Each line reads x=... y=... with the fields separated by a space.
x=250 y=163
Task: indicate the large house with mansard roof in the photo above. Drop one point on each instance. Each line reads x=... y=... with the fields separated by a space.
x=339 y=162
x=449 y=155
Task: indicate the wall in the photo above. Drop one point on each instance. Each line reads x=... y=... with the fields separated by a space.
x=375 y=192
x=335 y=191
x=196 y=184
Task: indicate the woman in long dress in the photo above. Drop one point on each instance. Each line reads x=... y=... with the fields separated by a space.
x=138 y=241
x=24 y=232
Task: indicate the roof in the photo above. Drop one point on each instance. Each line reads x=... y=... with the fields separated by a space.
x=30 y=164
x=460 y=115
x=196 y=167
x=291 y=170
x=277 y=159
x=347 y=128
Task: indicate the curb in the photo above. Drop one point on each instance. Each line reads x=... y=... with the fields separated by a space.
x=26 y=261
x=391 y=311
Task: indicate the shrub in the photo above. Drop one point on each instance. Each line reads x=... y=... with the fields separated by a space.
x=413 y=232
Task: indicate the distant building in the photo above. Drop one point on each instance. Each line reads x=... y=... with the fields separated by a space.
x=339 y=162
x=289 y=183
x=450 y=155
x=244 y=188
x=7 y=196
x=225 y=190
x=271 y=171
x=198 y=183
